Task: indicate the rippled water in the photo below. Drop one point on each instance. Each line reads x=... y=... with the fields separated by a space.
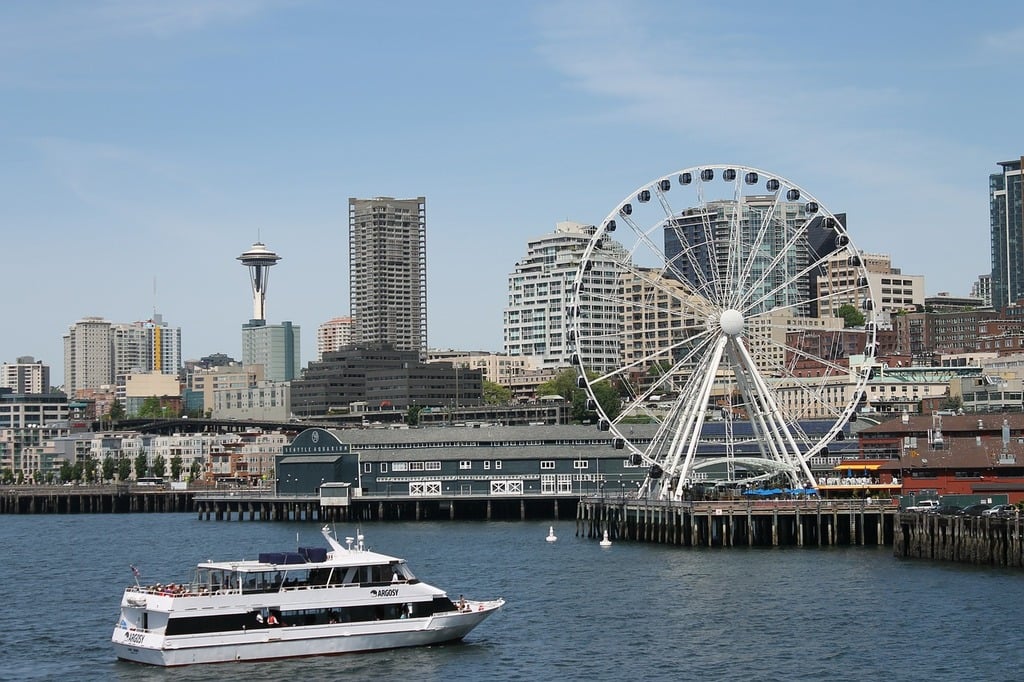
x=574 y=611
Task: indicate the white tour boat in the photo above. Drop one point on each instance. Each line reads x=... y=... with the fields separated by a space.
x=312 y=602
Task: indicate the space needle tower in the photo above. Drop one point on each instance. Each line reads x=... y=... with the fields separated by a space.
x=259 y=259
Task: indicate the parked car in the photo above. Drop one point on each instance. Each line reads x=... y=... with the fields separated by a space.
x=1001 y=510
x=923 y=506
x=977 y=509
x=947 y=510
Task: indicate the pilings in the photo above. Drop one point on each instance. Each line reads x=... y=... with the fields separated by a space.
x=770 y=523
x=92 y=500
x=979 y=540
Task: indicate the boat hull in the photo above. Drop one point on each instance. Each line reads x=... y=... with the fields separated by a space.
x=286 y=642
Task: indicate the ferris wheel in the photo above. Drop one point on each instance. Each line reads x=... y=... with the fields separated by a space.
x=744 y=329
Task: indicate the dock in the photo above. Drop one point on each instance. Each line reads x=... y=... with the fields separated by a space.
x=740 y=523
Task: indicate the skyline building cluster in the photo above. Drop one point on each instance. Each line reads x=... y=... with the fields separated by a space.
x=388 y=294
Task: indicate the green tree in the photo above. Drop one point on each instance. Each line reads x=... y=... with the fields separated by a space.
x=141 y=464
x=151 y=408
x=109 y=468
x=6 y=475
x=176 y=468
x=67 y=471
x=496 y=394
x=124 y=469
x=116 y=412
x=851 y=316
x=564 y=385
x=195 y=472
x=159 y=466
x=91 y=465
x=412 y=417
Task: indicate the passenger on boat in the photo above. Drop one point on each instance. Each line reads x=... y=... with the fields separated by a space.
x=272 y=621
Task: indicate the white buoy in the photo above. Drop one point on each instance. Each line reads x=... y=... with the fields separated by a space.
x=551 y=534
x=605 y=542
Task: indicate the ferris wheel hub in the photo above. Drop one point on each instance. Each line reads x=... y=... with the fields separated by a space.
x=731 y=322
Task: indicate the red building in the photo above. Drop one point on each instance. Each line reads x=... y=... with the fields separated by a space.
x=964 y=454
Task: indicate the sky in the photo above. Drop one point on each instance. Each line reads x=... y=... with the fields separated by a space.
x=145 y=145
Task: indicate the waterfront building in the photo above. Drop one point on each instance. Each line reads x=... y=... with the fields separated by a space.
x=500 y=462
x=27 y=421
x=944 y=302
x=333 y=335
x=947 y=454
x=540 y=294
x=25 y=375
x=387 y=245
x=1006 y=220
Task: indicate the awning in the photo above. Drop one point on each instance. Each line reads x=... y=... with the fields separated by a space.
x=858 y=466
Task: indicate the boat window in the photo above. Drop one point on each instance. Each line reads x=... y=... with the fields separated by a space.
x=402 y=570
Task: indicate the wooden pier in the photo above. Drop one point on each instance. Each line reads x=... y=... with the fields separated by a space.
x=272 y=507
x=100 y=499
x=979 y=540
x=740 y=523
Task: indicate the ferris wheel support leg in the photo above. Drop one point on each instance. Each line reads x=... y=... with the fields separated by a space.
x=698 y=409
x=793 y=455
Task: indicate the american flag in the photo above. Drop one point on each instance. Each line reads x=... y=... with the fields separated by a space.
x=135 y=571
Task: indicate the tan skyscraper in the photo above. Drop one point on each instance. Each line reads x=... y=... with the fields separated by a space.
x=387 y=246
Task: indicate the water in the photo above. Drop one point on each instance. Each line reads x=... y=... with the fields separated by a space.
x=575 y=611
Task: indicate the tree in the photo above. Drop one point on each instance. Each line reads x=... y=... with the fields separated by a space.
x=159 y=466
x=412 y=417
x=124 y=469
x=151 y=408
x=116 y=411
x=496 y=394
x=109 y=468
x=90 y=469
x=141 y=464
x=67 y=471
x=195 y=472
x=564 y=385
x=851 y=316
x=176 y=468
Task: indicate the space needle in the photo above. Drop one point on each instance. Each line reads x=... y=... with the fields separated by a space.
x=259 y=259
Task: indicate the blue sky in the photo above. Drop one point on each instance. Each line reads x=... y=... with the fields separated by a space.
x=145 y=145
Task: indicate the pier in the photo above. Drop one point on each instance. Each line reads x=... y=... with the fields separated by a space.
x=99 y=499
x=221 y=506
x=740 y=523
x=979 y=540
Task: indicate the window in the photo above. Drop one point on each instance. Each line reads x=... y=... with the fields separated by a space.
x=367 y=467
x=466 y=464
x=415 y=466
x=580 y=464
x=547 y=464
x=497 y=464
x=487 y=465
x=399 y=466
x=383 y=467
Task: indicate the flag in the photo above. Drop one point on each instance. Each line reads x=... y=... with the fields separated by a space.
x=135 y=571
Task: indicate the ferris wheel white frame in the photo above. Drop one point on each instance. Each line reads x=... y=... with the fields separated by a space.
x=745 y=260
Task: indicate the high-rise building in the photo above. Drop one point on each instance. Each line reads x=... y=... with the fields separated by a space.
x=333 y=335
x=275 y=346
x=98 y=352
x=26 y=375
x=540 y=292
x=1006 y=215
x=387 y=250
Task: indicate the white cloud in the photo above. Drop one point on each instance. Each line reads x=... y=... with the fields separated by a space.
x=1009 y=41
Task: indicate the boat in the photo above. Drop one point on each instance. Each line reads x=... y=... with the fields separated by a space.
x=316 y=601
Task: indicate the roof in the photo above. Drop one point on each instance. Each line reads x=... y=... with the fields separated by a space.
x=949 y=423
